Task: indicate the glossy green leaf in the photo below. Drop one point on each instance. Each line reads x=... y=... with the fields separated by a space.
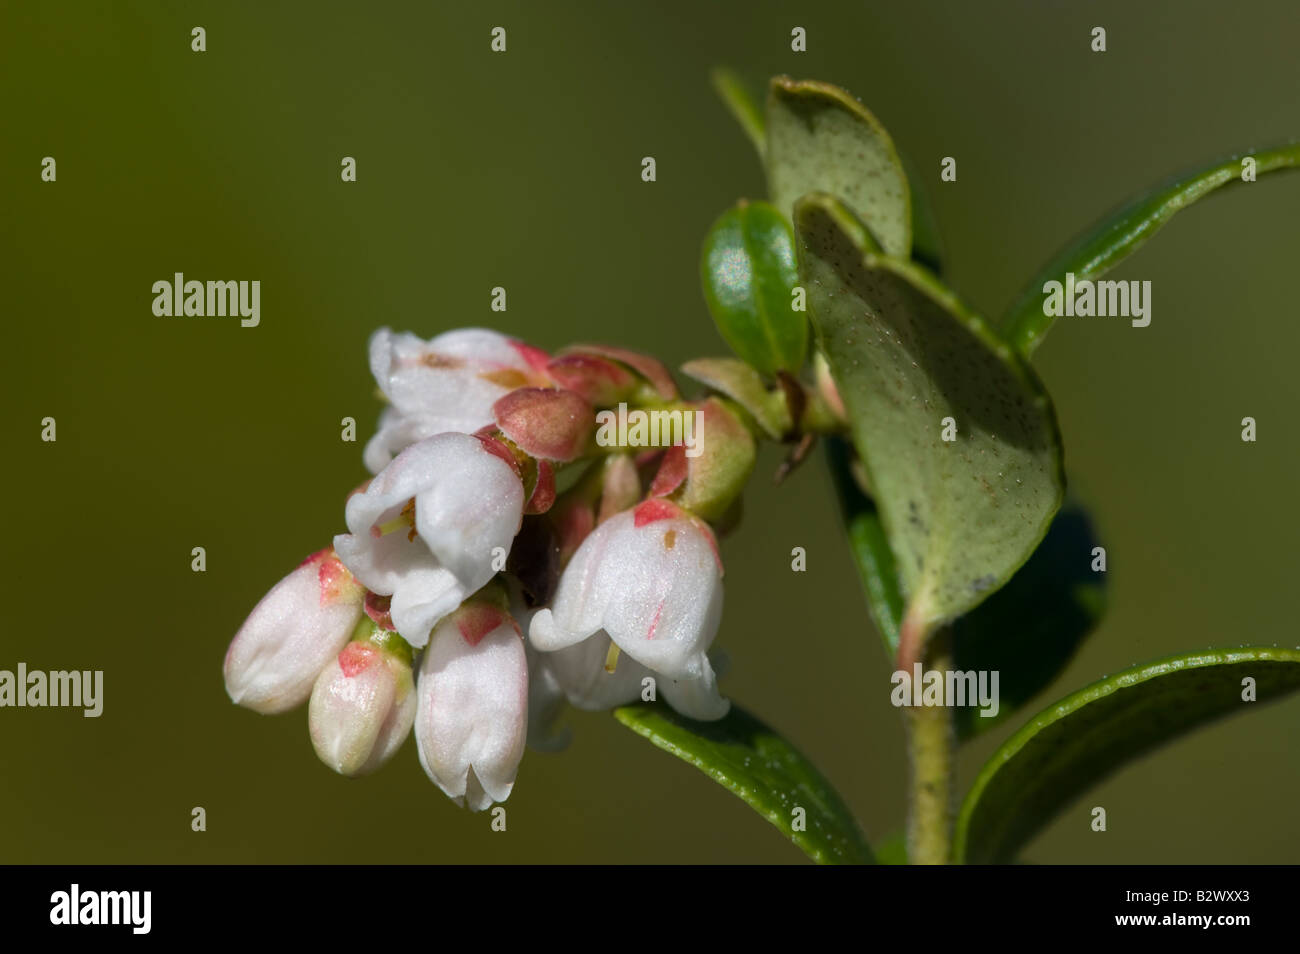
x=738 y=381
x=736 y=97
x=749 y=275
x=1123 y=232
x=1029 y=630
x=752 y=761
x=821 y=139
x=1073 y=745
x=870 y=548
x=960 y=516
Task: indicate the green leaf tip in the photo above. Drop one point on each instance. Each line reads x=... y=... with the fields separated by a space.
x=821 y=139
x=1072 y=745
x=1121 y=233
x=753 y=762
x=735 y=96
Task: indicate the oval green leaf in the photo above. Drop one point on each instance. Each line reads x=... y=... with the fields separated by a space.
x=961 y=516
x=1121 y=233
x=752 y=761
x=821 y=139
x=749 y=276
x=1076 y=743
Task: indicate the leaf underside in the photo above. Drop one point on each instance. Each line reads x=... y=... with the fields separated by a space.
x=821 y=139
x=960 y=516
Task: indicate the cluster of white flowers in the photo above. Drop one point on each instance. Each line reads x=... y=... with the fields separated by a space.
x=469 y=598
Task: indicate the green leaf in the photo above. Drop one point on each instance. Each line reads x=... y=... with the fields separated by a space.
x=1029 y=630
x=1123 y=232
x=870 y=548
x=752 y=761
x=741 y=105
x=749 y=276
x=927 y=245
x=893 y=849
x=961 y=516
x=821 y=139
x=1085 y=737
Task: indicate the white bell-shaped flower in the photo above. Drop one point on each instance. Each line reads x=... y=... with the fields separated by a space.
x=446 y=384
x=471 y=719
x=651 y=579
x=429 y=527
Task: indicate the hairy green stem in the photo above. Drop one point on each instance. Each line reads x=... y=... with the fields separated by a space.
x=932 y=744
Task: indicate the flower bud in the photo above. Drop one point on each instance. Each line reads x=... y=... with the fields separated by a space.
x=547 y=423
x=292 y=634
x=648 y=368
x=473 y=705
x=363 y=703
x=599 y=380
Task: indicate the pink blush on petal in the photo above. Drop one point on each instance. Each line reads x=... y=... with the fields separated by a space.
x=356 y=658
x=656 y=508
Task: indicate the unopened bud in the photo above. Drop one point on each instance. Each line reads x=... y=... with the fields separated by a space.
x=363 y=703
x=292 y=634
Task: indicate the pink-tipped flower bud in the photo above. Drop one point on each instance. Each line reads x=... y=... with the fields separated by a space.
x=472 y=716
x=363 y=703
x=651 y=369
x=599 y=380
x=292 y=634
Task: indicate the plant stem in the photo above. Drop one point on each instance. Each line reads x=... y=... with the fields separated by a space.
x=931 y=742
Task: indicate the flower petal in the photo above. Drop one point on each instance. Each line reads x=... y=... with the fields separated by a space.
x=475 y=506
x=423 y=596
x=587 y=684
x=447 y=384
x=695 y=698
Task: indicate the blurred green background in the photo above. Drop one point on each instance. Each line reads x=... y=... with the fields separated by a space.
x=523 y=169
